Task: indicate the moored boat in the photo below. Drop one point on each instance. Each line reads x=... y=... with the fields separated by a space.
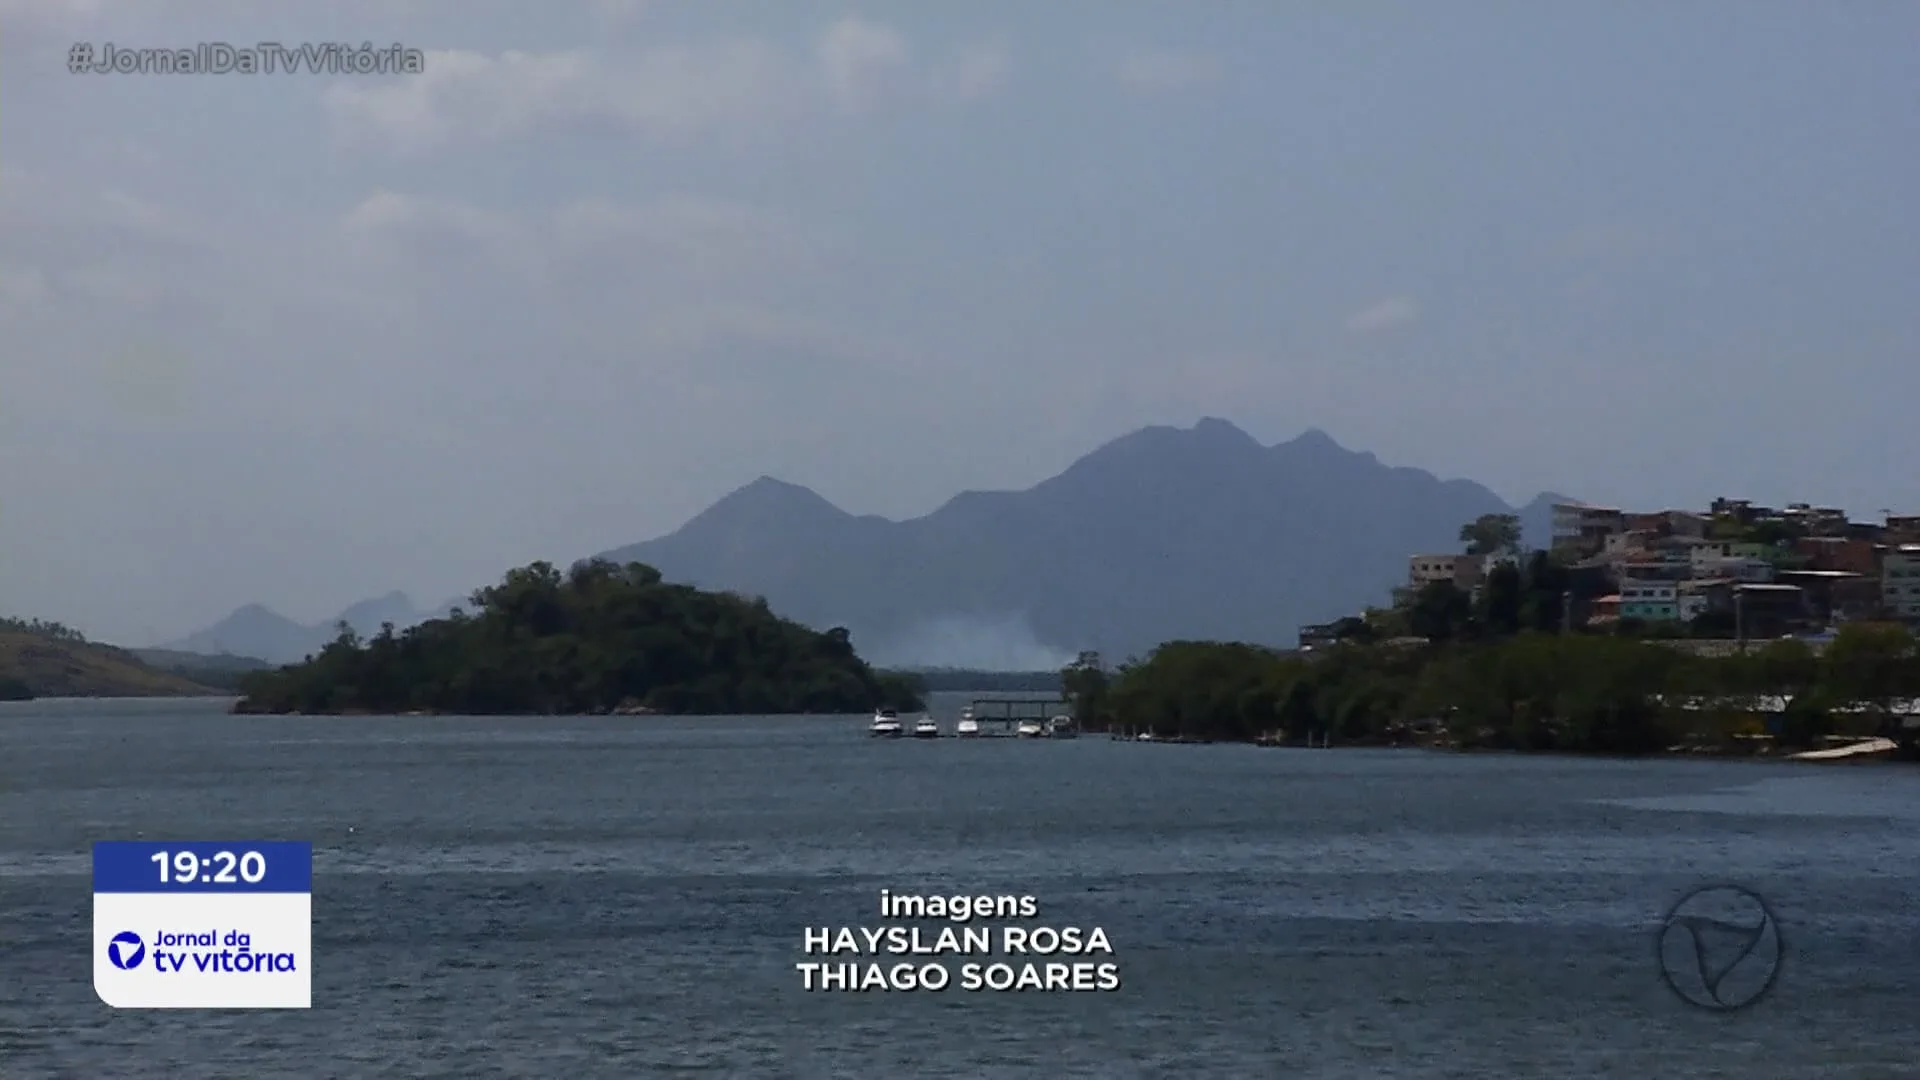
x=926 y=729
x=886 y=725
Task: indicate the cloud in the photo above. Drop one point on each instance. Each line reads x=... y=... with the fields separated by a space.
x=695 y=239
x=1387 y=313
x=979 y=72
x=394 y=278
x=469 y=97
x=667 y=92
x=99 y=245
x=703 y=237
x=1162 y=70
x=858 y=58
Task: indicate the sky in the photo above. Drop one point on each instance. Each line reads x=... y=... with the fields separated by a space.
x=305 y=338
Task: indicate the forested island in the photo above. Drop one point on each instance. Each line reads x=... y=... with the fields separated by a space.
x=598 y=638
x=1500 y=674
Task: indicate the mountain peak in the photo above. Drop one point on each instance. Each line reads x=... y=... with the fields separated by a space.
x=766 y=503
x=1224 y=432
x=776 y=489
x=1210 y=433
x=1314 y=440
x=396 y=607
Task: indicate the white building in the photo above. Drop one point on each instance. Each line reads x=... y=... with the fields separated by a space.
x=1746 y=571
x=1653 y=601
x=1900 y=581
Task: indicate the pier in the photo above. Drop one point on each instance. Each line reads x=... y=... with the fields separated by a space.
x=1000 y=718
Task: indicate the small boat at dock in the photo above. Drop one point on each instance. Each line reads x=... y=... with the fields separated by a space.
x=968 y=727
x=926 y=729
x=886 y=725
x=1030 y=729
x=1061 y=727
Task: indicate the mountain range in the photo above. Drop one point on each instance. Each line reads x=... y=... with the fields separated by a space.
x=1165 y=533
x=261 y=633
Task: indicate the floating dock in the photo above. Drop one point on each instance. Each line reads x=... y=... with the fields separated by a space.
x=1000 y=718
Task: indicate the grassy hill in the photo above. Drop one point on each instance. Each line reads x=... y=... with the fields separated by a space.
x=40 y=664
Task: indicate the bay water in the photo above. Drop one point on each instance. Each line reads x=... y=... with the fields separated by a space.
x=628 y=897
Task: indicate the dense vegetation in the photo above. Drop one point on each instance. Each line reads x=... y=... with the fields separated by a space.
x=1530 y=691
x=598 y=638
x=1502 y=670
x=41 y=628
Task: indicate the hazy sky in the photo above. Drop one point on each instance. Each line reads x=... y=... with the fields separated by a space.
x=304 y=339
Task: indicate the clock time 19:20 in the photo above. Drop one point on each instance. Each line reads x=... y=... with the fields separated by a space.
x=220 y=869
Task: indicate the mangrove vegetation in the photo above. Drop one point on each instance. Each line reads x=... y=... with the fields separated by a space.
x=1523 y=689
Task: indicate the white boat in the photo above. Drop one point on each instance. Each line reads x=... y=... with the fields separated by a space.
x=1061 y=727
x=1030 y=729
x=886 y=725
x=926 y=729
x=968 y=727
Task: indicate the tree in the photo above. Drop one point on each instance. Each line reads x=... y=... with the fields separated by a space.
x=1085 y=684
x=1439 y=612
x=1544 y=585
x=1501 y=600
x=1872 y=664
x=1491 y=534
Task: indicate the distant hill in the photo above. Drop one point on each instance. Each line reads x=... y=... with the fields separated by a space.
x=1165 y=533
x=221 y=672
x=46 y=666
x=259 y=632
x=959 y=680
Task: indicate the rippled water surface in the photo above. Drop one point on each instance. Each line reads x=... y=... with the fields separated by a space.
x=615 y=897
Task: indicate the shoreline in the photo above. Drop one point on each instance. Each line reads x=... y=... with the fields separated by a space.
x=1761 y=750
x=1766 y=753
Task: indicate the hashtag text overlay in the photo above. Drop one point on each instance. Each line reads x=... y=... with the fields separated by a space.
x=265 y=58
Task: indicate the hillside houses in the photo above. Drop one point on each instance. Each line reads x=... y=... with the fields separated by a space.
x=1767 y=571
x=1737 y=571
